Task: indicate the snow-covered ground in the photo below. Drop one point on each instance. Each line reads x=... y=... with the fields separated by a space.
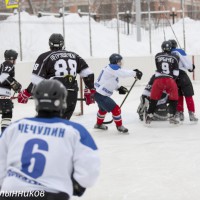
x=161 y=162
x=35 y=33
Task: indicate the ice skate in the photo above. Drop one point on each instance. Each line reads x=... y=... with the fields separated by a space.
x=192 y=117
x=122 y=129
x=173 y=120
x=100 y=126
x=180 y=115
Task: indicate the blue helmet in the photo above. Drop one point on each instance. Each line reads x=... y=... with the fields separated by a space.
x=115 y=58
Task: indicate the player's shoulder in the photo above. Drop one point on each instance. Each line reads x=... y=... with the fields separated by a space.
x=7 y=63
x=179 y=52
x=159 y=54
x=85 y=137
x=44 y=55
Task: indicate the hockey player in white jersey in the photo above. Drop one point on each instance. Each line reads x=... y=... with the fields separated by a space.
x=105 y=85
x=185 y=87
x=47 y=153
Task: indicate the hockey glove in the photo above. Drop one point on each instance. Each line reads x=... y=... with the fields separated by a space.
x=138 y=74
x=16 y=86
x=122 y=90
x=191 y=70
x=23 y=96
x=78 y=190
x=89 y=96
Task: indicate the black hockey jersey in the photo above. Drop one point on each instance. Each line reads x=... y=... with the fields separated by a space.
x=167 y=65
x=7 y=74
x=62 y=65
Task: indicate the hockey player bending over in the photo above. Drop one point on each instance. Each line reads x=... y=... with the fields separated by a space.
x=64 y=66
x=185 y=87
x=46 y=155
x=167 y=70
x=7 y=82
x=105 y=85
x=161 y=111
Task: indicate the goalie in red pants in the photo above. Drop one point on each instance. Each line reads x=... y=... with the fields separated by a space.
x=63 y=66
x=105 y=85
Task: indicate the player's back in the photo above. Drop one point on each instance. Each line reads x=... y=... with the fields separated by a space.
x=41 y=153
x=58 y=63
x=166 y=63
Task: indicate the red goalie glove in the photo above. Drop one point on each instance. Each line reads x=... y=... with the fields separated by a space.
x=89 y=96
x=23 y=96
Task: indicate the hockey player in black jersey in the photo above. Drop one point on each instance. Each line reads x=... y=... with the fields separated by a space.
x=64 y=66
x=7 y=82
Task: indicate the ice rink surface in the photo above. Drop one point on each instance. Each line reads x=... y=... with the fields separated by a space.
x=160 y=162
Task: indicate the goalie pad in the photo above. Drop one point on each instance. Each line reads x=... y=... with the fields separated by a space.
x=144 y=104
x=160 y=114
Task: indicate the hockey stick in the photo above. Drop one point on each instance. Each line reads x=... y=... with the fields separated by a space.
x=12 y=97
x=109 y=122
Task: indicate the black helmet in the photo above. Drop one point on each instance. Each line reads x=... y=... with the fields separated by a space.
x=115 y=58
x=56 y=41
x=174 y=43
x=50 y=95
x=166 y=46
x=10 y=54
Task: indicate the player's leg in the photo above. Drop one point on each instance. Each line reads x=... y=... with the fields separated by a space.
x=191 y=108
x=188 y=92
x=172 y=90
x=107 y=104
x=101 y=112
x=71 y=104
x=180 y=108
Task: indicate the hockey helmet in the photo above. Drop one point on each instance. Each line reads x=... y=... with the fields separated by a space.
x=10 y=54
x=56 y=41
x=166 y=46
x=174 y=43
x=115 y=58
x=50 y=95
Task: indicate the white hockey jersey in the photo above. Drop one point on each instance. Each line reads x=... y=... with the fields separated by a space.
x=184 y=63
x=108 y=79
x=42 y=154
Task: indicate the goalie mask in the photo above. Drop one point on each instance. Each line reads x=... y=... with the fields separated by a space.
x=50 y=95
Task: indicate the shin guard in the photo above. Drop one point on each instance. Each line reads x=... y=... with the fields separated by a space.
x=116 y=113
x=180 y=107
x=190 y=104
x=101 y=116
